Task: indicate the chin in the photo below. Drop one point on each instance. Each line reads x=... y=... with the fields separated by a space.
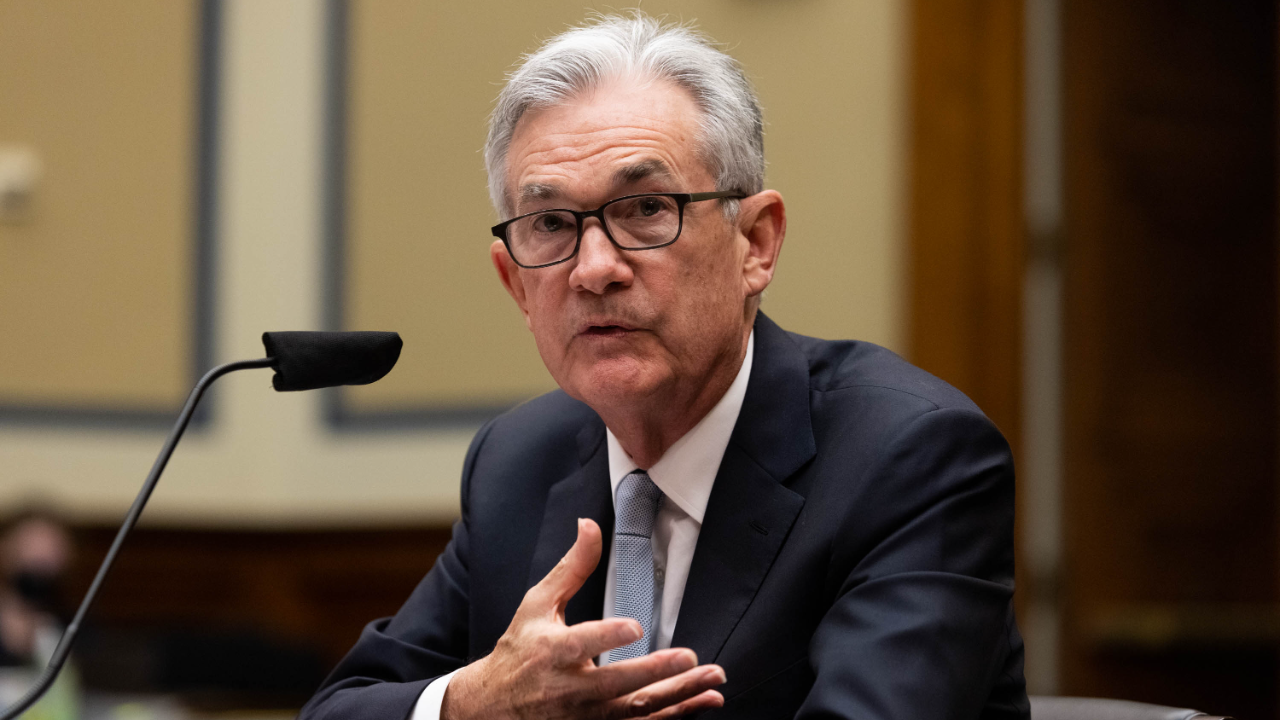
x=614 y=383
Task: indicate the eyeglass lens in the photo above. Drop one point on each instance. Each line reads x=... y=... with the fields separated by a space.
x=636 y=222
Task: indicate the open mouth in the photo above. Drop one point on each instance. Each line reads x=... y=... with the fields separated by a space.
x=606 y=330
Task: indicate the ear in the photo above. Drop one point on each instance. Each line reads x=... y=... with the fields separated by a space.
x=762 y=220
x=509 y=273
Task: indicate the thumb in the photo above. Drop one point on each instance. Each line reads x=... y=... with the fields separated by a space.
x=566 y=578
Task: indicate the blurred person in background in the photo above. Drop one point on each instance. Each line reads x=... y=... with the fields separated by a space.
x=35 y=552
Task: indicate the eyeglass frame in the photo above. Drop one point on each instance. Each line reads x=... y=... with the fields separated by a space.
x=500 y=230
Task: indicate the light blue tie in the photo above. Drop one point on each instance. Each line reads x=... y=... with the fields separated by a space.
x=637 y=506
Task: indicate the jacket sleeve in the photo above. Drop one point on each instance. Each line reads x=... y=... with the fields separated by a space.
x=922 y=624
x=397 y=657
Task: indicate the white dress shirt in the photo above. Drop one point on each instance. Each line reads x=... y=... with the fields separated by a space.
x=684 y=474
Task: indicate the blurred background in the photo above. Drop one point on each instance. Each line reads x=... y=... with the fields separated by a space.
x=1067 y=208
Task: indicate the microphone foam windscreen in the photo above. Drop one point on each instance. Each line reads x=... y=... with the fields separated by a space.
x=310 y=360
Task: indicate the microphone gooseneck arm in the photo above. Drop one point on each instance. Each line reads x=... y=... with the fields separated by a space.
x=63 y=650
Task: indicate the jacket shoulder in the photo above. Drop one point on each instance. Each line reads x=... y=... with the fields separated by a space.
x=550 y=432
x=836 y=365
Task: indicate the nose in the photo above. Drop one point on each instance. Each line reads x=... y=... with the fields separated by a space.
x=600 y=263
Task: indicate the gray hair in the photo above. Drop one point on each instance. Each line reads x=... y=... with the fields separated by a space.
x=612 y=47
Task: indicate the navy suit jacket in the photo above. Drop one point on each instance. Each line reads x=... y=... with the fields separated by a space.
x=855 y=558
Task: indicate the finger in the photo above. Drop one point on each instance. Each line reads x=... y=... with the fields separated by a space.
x=566 y=578
x=705 y=700
x=620 y=678
x=593 y=637
x=684 y=690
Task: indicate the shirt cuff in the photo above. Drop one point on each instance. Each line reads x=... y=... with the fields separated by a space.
x=429 y=702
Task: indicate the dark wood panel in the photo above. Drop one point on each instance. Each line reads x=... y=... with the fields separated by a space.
x=967 y=239
x=966 y=228
x=314 y=589
x=1170 y=339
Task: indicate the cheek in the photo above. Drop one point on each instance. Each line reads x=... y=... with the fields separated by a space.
x=712 y=299
x=718 y=281
x=543 y=311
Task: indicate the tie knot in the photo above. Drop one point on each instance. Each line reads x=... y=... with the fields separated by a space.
x=638 y=501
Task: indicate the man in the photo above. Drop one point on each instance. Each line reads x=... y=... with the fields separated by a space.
x=826 y=528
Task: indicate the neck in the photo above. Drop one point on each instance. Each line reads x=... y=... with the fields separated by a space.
x=648 y=428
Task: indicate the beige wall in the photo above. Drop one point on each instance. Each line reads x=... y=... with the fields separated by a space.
x=835 y=139
x=95 y=278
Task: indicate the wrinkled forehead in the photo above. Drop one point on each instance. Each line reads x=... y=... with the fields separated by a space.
x=611 y=138
x=626 y=175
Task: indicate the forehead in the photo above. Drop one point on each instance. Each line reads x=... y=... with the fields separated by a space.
x=608 y=139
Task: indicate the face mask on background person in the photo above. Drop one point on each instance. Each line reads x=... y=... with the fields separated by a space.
x=36 y=588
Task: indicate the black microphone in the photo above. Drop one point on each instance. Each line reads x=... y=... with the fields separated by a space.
x=302 y=361
x=310 y=360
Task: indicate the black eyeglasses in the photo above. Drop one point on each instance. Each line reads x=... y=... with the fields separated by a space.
x=632 y=222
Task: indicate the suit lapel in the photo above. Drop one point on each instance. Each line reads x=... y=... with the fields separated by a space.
x=584 y=494
x=750 y=511
x=747 y=520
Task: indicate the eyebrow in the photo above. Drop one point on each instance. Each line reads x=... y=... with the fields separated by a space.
x=642 y=170
x=626 y=175
x=538 y=191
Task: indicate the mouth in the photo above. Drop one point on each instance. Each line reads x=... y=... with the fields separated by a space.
x=606 y=330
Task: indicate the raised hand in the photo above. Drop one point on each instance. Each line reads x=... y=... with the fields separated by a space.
x=542 y=668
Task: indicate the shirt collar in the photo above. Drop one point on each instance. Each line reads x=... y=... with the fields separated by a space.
x=688 y=469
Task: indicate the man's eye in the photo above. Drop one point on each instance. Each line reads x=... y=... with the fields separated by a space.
x=550 y=223
x=649 y=206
